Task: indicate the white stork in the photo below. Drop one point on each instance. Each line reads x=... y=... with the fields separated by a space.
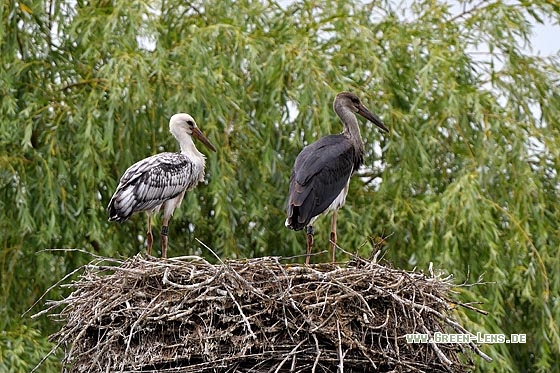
x=160 y=181
x=321 y=174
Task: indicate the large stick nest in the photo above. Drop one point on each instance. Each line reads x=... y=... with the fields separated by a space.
x=187 y=315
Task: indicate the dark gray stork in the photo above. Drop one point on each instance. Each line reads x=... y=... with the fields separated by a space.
x=160 y=181
x=321 y=174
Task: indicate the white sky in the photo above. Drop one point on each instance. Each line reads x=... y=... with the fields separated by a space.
x=546 y=40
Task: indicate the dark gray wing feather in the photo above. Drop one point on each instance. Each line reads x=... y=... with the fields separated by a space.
x=320 y=172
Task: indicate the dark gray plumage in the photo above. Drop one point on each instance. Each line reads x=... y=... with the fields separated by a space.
x=321 y=173
x=160 y=181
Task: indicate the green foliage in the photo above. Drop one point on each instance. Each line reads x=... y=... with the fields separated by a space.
x=467 y=179
x=22 y=348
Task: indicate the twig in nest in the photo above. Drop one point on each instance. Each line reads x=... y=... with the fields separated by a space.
x=185 y=314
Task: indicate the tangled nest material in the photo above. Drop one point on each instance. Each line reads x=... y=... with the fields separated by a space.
x=187 y=315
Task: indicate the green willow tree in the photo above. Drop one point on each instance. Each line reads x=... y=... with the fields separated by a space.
x=467 y=179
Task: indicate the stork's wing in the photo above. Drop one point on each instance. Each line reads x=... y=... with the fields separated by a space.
x=148 y=183
x=320 y=172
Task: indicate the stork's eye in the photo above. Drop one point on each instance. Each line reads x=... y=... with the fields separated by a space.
x=190 y=123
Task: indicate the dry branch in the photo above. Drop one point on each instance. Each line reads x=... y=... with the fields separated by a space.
x=187 y=315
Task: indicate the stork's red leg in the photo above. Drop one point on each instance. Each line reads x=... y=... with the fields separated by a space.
x=333 y=234
x=309 y=231
x=150 y=237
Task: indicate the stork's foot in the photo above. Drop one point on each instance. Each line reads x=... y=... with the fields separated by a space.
x=310 y=232
x=164 y=232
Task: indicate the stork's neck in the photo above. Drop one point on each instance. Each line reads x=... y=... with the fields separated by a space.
x=350 y=122
x=187 y=145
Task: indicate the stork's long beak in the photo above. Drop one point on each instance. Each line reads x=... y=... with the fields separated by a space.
x=364 y=112
x=203 y=139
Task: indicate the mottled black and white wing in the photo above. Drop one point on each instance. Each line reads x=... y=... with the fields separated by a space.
x=320 y=173
x=148 y=183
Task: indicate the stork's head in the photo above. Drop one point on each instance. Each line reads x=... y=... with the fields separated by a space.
x=348 y=100
x=184 y=123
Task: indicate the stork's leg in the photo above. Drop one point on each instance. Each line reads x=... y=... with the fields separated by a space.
x=164 y=231
x=168 y=207
x=333 y=234
x=150 y=237
x=309 y=231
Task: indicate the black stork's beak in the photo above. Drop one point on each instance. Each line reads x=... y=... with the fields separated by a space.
x=364 y=112
x=203 y=139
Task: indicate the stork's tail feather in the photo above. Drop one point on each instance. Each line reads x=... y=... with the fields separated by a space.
x=118 y=219
x=116 y=214
x=293 y=227
x=296 y=227
x=292 y=221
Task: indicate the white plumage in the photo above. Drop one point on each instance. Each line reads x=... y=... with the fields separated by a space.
x=160 y=181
